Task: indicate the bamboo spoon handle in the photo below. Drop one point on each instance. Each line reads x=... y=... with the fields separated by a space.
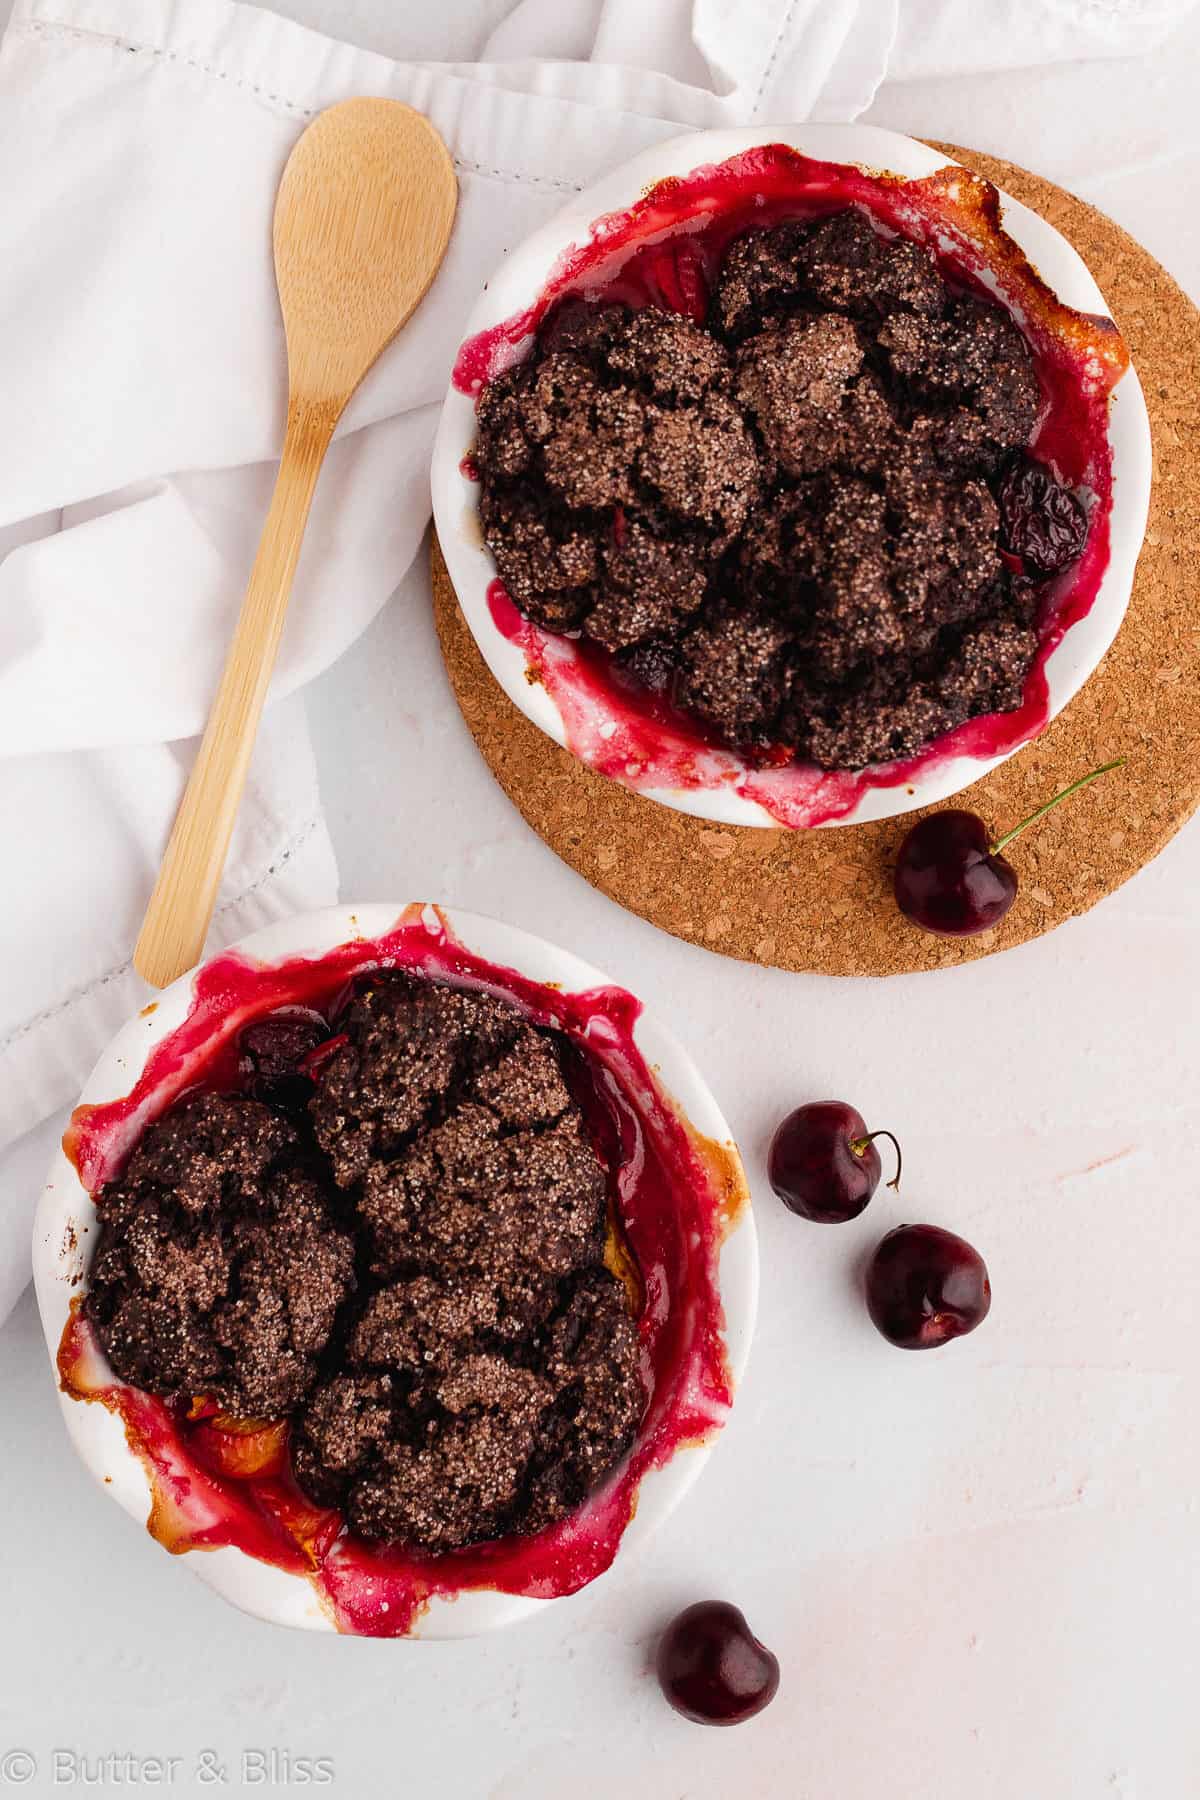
x=181 y=906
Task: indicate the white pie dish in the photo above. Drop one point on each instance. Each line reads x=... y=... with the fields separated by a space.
x=714 y=792
x=65 y=1235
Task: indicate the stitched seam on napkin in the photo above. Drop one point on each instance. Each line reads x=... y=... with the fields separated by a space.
x=101 y=981
x=780 y=35
x=1125 y=9
x=54 y=28
x=550 y=181
x=46 y=28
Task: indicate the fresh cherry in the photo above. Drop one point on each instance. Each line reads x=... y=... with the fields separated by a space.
x=925 y=1286
x=950 y=877
x=823 y=1163
x=712 y=1668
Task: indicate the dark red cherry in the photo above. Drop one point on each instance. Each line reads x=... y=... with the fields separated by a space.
x=823 y=1163
x=647 y=668
x=925 y=1286
x=271 y=1056
x=1041 y=521
x=712 y=1668
x=950 y=877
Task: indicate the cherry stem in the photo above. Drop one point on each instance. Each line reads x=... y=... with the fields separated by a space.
x=859 y=1147
x=1084 y=781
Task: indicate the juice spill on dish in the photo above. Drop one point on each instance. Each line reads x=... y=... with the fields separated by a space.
x=674 y=1193
x=663 y=251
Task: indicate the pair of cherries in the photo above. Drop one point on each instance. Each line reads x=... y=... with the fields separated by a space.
x=923 y=1285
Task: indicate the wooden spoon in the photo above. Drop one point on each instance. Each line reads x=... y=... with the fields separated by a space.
x=362 y=220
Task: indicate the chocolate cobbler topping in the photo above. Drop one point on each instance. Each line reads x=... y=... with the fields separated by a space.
x=220 y=1270
x=402 y=1253
x=810 y=523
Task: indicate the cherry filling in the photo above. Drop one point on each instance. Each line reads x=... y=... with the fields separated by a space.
x=767 y=470
x=266 y=1459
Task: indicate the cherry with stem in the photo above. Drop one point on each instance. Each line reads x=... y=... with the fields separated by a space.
x=823 y=1163
x=951 y=876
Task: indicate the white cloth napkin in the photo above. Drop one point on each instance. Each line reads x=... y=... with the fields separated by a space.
x=142 y=366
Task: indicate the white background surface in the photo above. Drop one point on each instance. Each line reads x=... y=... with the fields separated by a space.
x=981 y=1568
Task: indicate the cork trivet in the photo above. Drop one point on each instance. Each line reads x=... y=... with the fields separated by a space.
x=821 y=900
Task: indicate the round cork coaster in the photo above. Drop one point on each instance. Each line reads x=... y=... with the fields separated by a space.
x=821 y=901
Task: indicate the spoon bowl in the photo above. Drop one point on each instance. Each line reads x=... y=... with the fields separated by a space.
x=362 y=220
